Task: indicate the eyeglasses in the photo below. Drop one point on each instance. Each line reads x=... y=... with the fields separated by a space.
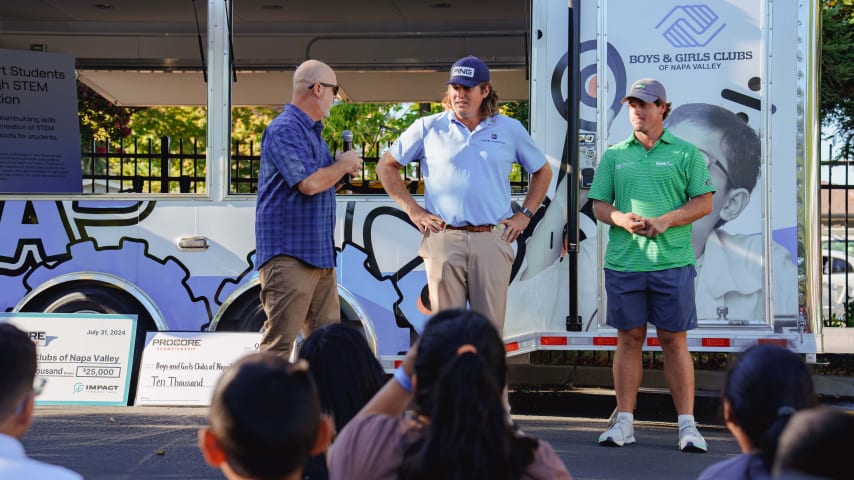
x=720 y=165
x=38 y=388
x=333 y=86
x=712 y=161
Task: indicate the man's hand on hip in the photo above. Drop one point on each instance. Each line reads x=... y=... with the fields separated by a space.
x=425 y=221
x=514 y=226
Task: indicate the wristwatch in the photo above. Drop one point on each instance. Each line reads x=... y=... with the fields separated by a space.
x=527 y=212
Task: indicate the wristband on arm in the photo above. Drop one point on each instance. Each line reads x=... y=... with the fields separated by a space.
x=403 y=379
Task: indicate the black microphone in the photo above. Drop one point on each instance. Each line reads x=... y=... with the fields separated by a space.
x=347 y=142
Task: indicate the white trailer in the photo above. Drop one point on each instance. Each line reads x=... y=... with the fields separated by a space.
x=186 y=261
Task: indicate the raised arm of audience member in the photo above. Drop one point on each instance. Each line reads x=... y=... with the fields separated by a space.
x=460 y=429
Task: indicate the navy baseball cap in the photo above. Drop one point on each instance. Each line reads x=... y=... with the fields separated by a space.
x=469 y=71
x=647 y=89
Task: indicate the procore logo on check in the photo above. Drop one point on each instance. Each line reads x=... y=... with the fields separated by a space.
x=688 y=26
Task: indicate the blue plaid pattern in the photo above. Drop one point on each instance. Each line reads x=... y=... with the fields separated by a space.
x=286 y=221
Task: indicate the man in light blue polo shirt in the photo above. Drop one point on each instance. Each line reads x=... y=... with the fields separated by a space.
x=467 y=153
x=649 y=189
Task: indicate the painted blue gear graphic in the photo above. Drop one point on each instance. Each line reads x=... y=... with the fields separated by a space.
x=164 y=281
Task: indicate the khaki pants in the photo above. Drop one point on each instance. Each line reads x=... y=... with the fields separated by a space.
x=468 y=266
x=295 y=296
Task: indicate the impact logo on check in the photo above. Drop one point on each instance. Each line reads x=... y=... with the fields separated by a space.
x=688 y=26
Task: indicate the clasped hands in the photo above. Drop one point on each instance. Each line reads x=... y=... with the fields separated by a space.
x=646 y=227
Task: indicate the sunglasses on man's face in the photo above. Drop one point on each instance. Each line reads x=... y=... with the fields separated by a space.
x=333 y=86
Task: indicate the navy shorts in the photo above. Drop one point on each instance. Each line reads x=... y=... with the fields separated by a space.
x=664 y=298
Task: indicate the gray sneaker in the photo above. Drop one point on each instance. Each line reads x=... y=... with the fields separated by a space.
x=690 y=439
x=621 y=432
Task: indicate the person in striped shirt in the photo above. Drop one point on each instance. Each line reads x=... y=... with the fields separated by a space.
x=649 y=189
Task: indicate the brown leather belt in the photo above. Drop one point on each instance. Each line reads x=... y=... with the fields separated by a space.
x=471 y=228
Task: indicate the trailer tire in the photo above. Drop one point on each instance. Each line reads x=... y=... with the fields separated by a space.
x=249 y=316
x=252 y=317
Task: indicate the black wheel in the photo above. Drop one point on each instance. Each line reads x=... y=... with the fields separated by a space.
x=247 y=315
x=252 y=317
x=102 y=299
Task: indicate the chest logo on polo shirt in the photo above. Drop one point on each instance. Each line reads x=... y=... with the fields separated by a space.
x=663 y=164
x=493 y=138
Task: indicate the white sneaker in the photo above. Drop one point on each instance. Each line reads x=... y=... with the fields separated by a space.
x=690 y=439
x=621 y=432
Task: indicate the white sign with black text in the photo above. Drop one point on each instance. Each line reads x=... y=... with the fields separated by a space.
x=85 y=358
x=182 y=368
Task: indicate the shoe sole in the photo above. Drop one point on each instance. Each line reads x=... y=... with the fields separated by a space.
x=610 y=442
x=691 y=448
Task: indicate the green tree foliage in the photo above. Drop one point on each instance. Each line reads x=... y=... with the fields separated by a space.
x=185 y=123
x=837 y=66
x=374 y=125
x=248 y=124
x=188 y=123
x=100 y=119
x=517 y=110
x=135 y=136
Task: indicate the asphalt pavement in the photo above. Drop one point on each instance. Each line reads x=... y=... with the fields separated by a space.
x=160 y=442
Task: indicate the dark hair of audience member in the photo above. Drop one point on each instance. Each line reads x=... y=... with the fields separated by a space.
x=764 y=387
x=469 y=435
x=817 y=442
x=265 y=414
x=345 y=370
x=17 y=367
x=347 y=375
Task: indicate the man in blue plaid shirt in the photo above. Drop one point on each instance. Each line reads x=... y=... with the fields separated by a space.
x=295 y=216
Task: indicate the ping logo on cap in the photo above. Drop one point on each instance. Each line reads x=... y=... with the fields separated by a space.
x=462 y=72
x=638 y=85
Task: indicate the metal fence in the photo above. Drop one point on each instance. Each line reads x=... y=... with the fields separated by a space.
x=837 y=244
x=165 y=166
x=148 y=166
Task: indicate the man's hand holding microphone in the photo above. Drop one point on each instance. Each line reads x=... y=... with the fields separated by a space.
x=348 y=160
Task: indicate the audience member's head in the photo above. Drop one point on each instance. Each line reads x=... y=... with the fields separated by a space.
x=344 y=368
x=765 y=386
x=17 y=373
x=459 y=381
x=816 y=442
x=264 y=419
x=347 y=375
x=732 y=152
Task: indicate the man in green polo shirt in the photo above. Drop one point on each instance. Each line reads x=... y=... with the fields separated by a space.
x=649 y=188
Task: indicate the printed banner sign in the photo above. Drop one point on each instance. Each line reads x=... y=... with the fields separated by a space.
x=39 y=128
x=85 y=358
x=182 y=368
